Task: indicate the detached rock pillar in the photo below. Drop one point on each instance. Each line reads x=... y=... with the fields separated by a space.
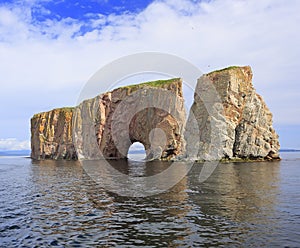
x=248 y=132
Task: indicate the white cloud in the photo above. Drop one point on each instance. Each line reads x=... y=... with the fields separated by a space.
x=39 y=58
x=13 y=144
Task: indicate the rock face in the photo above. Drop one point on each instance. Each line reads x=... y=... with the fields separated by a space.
x=104 y=127
x=150 y=113
x=230 y=118
x=51 y=135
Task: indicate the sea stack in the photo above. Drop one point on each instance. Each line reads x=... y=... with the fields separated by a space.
x=227 y=121
x=105 y=126
x=151 y=113
x=233 y=121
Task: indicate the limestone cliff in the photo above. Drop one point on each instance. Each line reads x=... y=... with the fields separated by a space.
x=228 y=120
x=150 y=113
x=51 y=135
x=105 y=126
x=231 y=119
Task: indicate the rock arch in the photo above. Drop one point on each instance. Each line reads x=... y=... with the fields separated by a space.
x=158 y=131
x=136 y=151
x=151 y=113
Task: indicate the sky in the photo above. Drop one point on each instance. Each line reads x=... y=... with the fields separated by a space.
x=49 y=50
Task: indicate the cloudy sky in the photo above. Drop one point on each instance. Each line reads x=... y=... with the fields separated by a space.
x=49 y=49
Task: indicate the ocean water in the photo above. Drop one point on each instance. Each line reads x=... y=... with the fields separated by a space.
x=57 y=204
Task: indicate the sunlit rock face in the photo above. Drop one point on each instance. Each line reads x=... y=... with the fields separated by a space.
x=228 y=120
x=231 y=120
x=105 y=126
x=150 y=113
x=51 y=135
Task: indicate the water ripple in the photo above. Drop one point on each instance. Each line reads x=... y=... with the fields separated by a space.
x=55 y=204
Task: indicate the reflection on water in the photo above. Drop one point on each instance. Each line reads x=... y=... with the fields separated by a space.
x=239 y=200
x=55 y=203
x=136 y=179
x=238 y=188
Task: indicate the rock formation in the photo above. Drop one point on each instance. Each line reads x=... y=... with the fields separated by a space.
x=105 y=126
x=232 y=121
x=150 y=113
x=228 y=120
x=51 y=135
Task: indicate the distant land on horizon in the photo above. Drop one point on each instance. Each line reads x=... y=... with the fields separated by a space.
x=289 y=150
x=15 y=153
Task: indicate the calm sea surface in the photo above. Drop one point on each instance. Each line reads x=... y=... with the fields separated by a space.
x=55 y=203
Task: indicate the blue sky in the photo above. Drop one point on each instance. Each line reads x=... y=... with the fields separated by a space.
x=49 y=49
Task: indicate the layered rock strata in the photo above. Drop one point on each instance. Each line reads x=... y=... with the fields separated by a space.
x=150 y=113
x=228 y=120
x=231 y=120
x=51 y=135
x=105 y=126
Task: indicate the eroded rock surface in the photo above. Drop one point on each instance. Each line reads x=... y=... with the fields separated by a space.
x=150 y=113
x=105 y=126
x=230 y=119
x=51 y=135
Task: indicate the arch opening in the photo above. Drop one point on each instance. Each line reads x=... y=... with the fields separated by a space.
x=136 y=152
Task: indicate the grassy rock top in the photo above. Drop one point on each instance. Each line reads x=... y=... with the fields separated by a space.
x=226 y=69
x=156 y=83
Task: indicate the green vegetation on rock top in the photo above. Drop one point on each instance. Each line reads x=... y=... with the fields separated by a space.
x=224 y=69
x=156 y=83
